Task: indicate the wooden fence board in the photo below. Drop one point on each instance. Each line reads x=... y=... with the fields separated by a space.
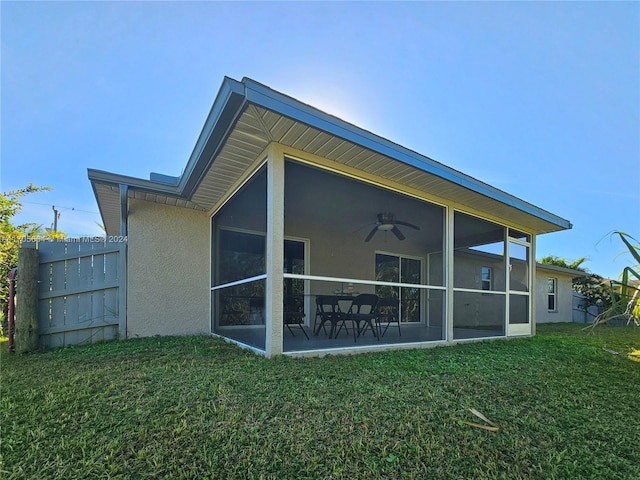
x=97 y=314
x=111 y=304
x=72 y=284
x=111 y=267
x=44 y=312
x=58 y=282
x=44 y=277
x=62 y=254
x=98 y=280
x=82 y=294
x=79 y=289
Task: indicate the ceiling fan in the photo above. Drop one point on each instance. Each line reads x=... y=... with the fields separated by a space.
x=387 y=222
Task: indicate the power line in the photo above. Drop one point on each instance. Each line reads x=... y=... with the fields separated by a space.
x=63 y=208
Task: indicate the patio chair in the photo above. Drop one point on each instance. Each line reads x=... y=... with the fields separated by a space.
x=363 y=310
x=293 y=315
x=317 y=317
x=328 y=310
x=387 y=311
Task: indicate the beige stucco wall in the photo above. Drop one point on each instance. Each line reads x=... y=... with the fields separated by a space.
x=167 y=270
x=564 y=297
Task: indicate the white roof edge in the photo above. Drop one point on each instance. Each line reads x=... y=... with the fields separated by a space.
x=556 y=269
x=289 y=106
x=232 y=99
x=100 y=176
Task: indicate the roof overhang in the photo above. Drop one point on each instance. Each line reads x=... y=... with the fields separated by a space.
x=247 y=116
x=570 y=272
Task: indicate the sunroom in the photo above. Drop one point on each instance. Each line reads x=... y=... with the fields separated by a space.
x=325 y=238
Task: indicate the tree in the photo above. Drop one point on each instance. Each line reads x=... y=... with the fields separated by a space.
x=563 y=262
x=625 y=291
x=595 y=291
x=11 y=236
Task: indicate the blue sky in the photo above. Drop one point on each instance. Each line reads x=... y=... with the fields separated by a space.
x=541 y=100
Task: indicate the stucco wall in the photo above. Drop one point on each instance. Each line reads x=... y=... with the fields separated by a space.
x=564 y=298
x=167 y=271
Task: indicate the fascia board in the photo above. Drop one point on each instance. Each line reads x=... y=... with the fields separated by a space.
x=228 y=103
x=561 y=270
x=100 y=176
x=267 y=98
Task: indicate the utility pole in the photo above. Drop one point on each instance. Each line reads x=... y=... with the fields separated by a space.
x=56 y=216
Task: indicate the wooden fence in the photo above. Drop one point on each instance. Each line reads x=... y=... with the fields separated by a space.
x=81 y=292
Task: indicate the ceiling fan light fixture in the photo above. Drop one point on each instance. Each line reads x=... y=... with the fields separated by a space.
x=387 y=223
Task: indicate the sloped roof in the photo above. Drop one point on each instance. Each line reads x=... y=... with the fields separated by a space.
x=561 y=270
x=247 y=116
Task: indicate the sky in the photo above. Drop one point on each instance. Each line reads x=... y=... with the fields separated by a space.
x=539 y=99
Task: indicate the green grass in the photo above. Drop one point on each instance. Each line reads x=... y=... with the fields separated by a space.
x=196 y=407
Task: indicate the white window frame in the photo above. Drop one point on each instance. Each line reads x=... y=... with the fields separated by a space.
x=553 y=294
x=488 y=282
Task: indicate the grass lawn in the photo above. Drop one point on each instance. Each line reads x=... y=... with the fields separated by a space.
x=196 y=407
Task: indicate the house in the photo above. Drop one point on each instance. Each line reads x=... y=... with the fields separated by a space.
x=556 y=301
x=281 y=205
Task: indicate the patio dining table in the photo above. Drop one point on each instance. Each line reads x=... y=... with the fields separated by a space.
x=338 y=309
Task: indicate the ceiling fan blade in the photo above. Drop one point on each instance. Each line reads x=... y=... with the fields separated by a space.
x=398 y=233
x=407 y=224
x=368 y=225
x=371 y=234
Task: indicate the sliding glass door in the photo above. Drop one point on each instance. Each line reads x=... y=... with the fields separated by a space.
x=401 y=270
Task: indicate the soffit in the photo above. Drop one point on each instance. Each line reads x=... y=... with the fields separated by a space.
x=108 y=196
x=246 y=141
x=257 y=127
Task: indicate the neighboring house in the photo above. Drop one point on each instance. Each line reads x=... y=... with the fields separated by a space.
x=281 y=204
x=556 y=300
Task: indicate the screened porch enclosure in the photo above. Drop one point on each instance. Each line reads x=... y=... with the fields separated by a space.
x=345 y=240
x=335 y=216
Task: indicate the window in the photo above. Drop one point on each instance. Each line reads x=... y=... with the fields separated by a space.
x=551 y=294
x=486 y=278
x=400 y=269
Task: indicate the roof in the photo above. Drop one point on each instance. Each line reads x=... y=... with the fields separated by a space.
x=561 y=270
x=247 y=116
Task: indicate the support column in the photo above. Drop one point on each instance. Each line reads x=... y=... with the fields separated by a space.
x=449 y=242
x=533 y=294
x=275 y=252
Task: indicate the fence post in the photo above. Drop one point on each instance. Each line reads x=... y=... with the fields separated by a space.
x=26 y=326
